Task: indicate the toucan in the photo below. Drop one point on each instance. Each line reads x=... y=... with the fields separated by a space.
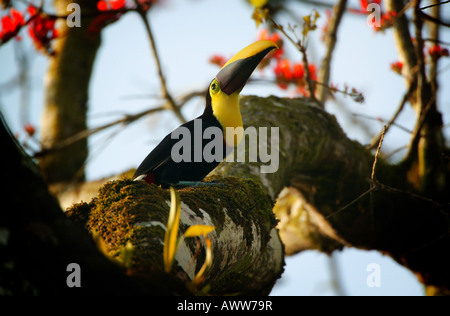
x=221 y=112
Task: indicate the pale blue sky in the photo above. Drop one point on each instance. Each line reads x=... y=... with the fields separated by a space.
x=187 y=33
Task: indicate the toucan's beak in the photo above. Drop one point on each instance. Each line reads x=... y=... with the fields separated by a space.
x=235 y=73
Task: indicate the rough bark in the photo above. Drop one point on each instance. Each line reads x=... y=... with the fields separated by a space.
x=66 y=96
x=247 y=251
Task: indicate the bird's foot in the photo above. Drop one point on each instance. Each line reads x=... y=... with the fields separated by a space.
x=195 y=184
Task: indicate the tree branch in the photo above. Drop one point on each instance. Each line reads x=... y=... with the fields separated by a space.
x=69 y=141
x=165 y=92
x=330 y=42
x=405 y=98
x=301 y=47
x=245 y=242
x=403 y=39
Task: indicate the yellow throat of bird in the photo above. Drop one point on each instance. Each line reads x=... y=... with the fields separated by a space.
x=227 y=112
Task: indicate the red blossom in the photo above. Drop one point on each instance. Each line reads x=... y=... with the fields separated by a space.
x=274 y=37
x=387 y=20
x=30 y=129
x=312 y=72
x=110 y=5
x=115 y=5
x=111 y=11
x=436 y=52
x=363 y=4
x=283 y=71
x=42 y=30
x=298 y=71
x=397 y=67
x=102 y=6
x=287 y=73
x=10 y=25
x=218 y=60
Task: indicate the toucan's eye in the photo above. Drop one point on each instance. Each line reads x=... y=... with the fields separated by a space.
x=214 y=86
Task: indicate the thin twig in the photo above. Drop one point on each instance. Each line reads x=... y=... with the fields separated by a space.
x=373 y=118
x=165 y=92
x=352 y=202
x=308 y=75
x=124 y=120
x=127 y=119
x=434 y=5
x=374 y=185
x=324 y=73
x=375 y=160
x=418 y=127
x=354 y=94
x=405 y=98
x=433 y=19
x=436 y=41
x=412 y=195
x=374 y=182
x=302 y=49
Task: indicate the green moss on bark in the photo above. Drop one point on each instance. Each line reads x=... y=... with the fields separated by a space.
x=133 y=211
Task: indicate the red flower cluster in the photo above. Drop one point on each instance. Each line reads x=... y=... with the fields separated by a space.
x=110 y=13
x=274 y=37
x=365 y=3
x=107 y=5
x=41 y=27
x=397 y=67
x=42 y=30
x=218 y=60
x=11 y=25
x=436 y=52
x=386 y=19
x=287 y=73
x=112 y=10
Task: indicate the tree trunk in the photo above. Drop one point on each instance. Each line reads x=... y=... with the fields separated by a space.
x=66 y=96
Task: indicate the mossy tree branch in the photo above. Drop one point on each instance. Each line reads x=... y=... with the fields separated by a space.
x=247 y=252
